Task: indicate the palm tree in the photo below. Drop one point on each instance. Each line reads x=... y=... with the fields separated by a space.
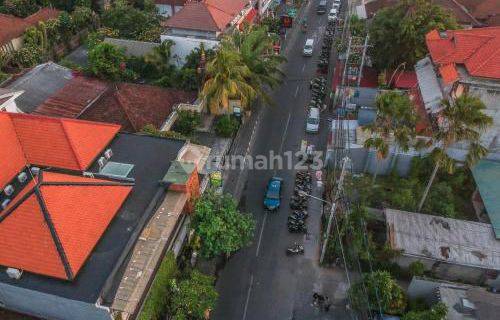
x=395 y=117
x=254 y=44
x=462 y=121
x=227 y=79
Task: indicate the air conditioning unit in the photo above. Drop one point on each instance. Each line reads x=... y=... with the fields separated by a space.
x=22 y=177
x=101 y=162
x=108 y=154
x=9 y=190
x=5 y=203
x=88 y=174
x=14 y=273
x=35 y=171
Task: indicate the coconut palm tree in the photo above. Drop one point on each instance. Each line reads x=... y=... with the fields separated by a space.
x=255 y=44
x=227 y=78
x=462 y=121
x=396 y=118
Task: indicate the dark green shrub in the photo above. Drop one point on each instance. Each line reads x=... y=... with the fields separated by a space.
x=416 y=268
x=187 y=122
x=226 y=126
x=158 y=300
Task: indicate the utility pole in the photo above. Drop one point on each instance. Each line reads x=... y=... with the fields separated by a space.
x=363 y=57
x=333 y=207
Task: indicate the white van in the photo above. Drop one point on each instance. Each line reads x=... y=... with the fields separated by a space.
x=308 y=48
x=332 y=15
x=312 y=123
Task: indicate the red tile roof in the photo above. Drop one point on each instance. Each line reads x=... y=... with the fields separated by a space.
x=486 y=11
x=52 y=227
x=50 y=142
x=477 y=49
x=423 y=126
x=131 y=105
x=207 y=15
x=405 y=80
x=12 y=27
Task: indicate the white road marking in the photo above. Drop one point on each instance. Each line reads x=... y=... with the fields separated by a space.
x=261 y=233
x=297 y=91
x=304 y=67
x=285 y=132
x=248 y=298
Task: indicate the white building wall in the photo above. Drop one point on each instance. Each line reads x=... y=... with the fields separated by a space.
x=183 y=46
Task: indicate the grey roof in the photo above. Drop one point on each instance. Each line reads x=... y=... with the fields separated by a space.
x=133 y=48
x=79 y=56
x=38 y=84
x=487 y=177
x=429 y=84
x=454 y=241
x=365 y=97
x=366 y=116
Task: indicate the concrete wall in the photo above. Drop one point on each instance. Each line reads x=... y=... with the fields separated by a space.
x=47 y=306
x=183 y=46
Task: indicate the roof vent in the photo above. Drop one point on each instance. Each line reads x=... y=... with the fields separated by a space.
x=108 y=154
x=14 y=273
x=35 y=171
x=5 y=203
x=9 y=190
x=22 y=177
x=101 y=162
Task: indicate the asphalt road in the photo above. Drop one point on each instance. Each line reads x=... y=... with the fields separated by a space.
x=260 y=282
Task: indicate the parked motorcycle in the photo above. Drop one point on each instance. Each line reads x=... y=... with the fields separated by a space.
x=295 y=249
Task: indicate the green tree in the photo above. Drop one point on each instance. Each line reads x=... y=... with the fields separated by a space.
x=226 y=126
x=222 y=228
x=437 y=312
x=130 y=22
x=382 y=291
x=81 y=17
x=396 y=118
x=193 y=297
x=462 y=121
x=107 y=61
x=19 y=8
x=397 y=32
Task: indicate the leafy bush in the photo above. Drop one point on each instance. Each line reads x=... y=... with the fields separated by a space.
x=193 y=296
x=150 y=129
x=226 y=126
x=107 y=61
x=158 y=299
x=187 y=122
x=94 y=38
x=416 y=268
x=437 y=312
x=380 y=287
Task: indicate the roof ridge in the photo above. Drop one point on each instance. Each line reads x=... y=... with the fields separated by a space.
x=17 y=137
x=52 y=229
x=122 y=102
x=71 y=144
x=90 y=183
x=210 y=13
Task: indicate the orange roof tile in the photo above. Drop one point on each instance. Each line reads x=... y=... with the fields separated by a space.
x=477 y=49
x=448 y=73
x=52 y=227
x=51 y=142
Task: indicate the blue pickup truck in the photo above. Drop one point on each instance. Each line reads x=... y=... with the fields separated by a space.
x=272 y=199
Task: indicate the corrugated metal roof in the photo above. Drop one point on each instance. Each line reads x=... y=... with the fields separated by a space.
x=454 y=241
x=487 y=176
x=428 y=84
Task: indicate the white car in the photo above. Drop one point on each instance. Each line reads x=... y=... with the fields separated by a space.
x=312 y=121
x=308 y=48
x=332 y=15
x=336 y=5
